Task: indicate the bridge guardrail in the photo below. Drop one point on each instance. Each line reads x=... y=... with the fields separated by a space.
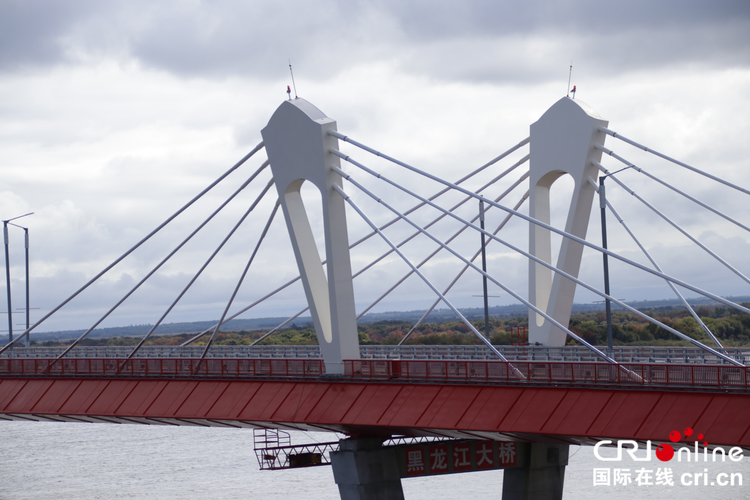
x=624 y=354
x=241 y=351
x=164 y=367
x=624 y=374
x=724 y=377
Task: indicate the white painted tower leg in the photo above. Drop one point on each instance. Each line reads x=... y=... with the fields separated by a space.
x=562 y=141
x=297 y=143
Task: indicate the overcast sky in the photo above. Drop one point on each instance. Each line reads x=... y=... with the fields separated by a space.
x=115 y=114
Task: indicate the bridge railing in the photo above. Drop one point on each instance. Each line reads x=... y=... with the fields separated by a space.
x=164 y=367
x=555 y=373
x=633 y=375
x=266 y=351
x=624 y=354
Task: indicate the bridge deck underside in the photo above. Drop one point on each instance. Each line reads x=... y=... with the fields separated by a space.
x=572 y=415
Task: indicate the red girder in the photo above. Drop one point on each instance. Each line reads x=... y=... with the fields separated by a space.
x=466 y=410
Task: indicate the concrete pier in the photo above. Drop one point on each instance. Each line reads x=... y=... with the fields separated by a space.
x=541 y=474
x=364 y=470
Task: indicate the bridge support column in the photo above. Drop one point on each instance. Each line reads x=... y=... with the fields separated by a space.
x=364 y=470
x=541 y=475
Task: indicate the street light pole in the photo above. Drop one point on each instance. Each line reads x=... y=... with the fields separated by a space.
x=26 y=243
x=26 y=240
x=28 y=296
x=7 y=276
x=607 y=305
x=7 y=282
x=484 y=276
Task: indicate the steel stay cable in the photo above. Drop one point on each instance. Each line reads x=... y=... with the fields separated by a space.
x=416 y=233
x=159 y=265
x=345 y=138
x=368 y=236
x=674 y=224
x=371 y=264
x=145 y=278
x=358 y=273
x=424 y=278
x=566 y=275
x=133 y=248
x=676 y=162
x=471 y=174
x=473 y=266
x=247 y=308
x=280 y=326
x=242 y=277
x=667 y=185
x=197 y=274
x=209 y=261
x=532 y=220
x=671 y=285
x=461 y=273
x=458 y=182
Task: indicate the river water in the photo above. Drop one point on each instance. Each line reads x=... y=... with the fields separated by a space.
x=111 y=461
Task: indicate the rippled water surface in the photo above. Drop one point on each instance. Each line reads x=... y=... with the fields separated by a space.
x=109 y=461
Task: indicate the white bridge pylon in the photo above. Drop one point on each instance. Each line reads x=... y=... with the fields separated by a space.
x=298 y=146
x=563 y=141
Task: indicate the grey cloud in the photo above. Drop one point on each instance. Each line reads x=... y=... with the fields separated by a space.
x=200 y=39
x=31 y=33
x=480 y=39
x=544 y=56
x=433 y=20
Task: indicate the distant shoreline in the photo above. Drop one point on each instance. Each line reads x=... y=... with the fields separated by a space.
x=437 y=316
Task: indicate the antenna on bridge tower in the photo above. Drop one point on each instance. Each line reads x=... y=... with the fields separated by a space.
x=570 y=73
x=293 y=85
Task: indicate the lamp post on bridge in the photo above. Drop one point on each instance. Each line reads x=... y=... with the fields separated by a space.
x=7 y=274
x=607 y=304
x=27 y=308
x=484 y=276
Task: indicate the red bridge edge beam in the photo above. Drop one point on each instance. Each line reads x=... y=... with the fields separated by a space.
x=470 y=411
x=624 y=374
x=705 y=377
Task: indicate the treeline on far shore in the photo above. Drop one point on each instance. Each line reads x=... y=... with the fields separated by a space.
x=731 y=327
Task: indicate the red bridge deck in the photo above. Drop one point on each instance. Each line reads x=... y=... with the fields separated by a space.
x=633 y=375
x=568 y=402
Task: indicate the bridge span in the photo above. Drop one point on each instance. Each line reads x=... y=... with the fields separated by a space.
x=570 y=402
x=545 y=405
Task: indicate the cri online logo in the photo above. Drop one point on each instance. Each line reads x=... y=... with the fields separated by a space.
x=665 y=452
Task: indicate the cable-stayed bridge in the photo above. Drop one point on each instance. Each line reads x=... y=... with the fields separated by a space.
x=540 y=397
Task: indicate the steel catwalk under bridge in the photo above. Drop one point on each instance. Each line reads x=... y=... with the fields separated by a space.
x=566 y=402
